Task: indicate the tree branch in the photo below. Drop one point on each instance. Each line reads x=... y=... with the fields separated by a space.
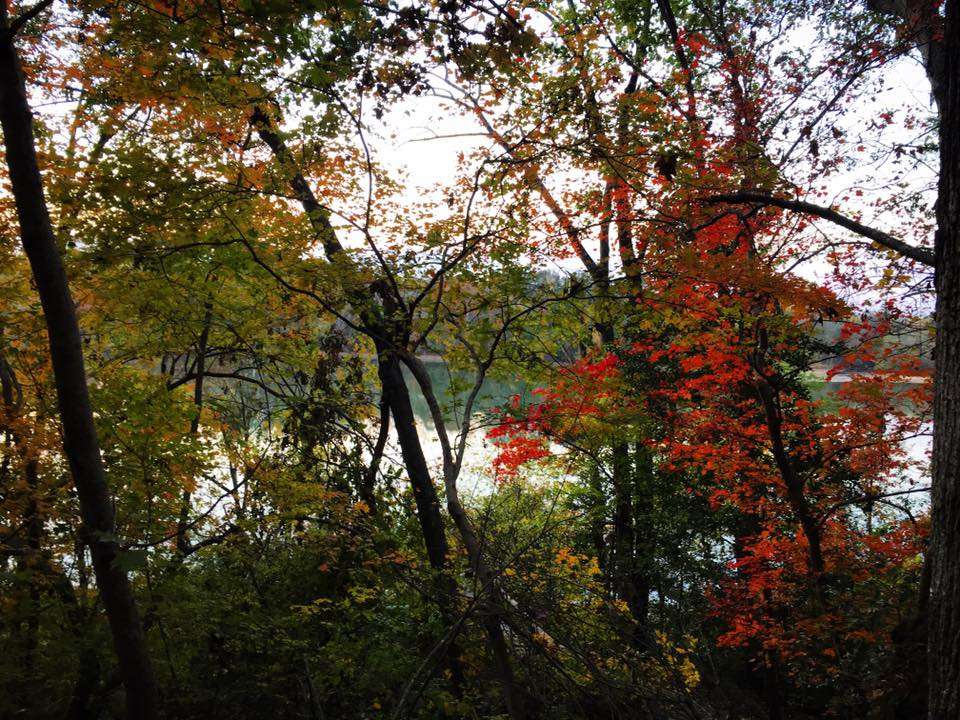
x=921 y=255
x=28 y=15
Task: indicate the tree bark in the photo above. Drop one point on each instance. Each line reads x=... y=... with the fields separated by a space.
x=644 y=533
x=424 y=493
x=492 y=607
x=80 y=443
x=629 y=581
x=944 y=630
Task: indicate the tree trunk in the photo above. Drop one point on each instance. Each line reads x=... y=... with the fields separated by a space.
x=629 y=583
x=944 y=629
x=183 y=521
x=794 y=482
x=644 y=536
x=377 y=318
x=394 y=389
x=492 y=607
x=424 y=493
x=764 y=676
x=80 y=443
x=491 y=602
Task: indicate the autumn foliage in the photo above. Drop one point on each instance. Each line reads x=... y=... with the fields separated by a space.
x=623 y=412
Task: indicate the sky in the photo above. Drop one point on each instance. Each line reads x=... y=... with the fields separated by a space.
x=420 y=139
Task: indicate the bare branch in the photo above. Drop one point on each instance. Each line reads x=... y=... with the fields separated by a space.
x=921 y=255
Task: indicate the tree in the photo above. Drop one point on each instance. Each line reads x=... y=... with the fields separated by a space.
x=81 y=445
x=923 y=28
x=663 y=412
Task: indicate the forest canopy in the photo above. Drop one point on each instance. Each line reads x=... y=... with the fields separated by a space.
x=473 y=359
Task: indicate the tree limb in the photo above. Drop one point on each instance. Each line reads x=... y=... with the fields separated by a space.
x=921 y=255
x=28 y=15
